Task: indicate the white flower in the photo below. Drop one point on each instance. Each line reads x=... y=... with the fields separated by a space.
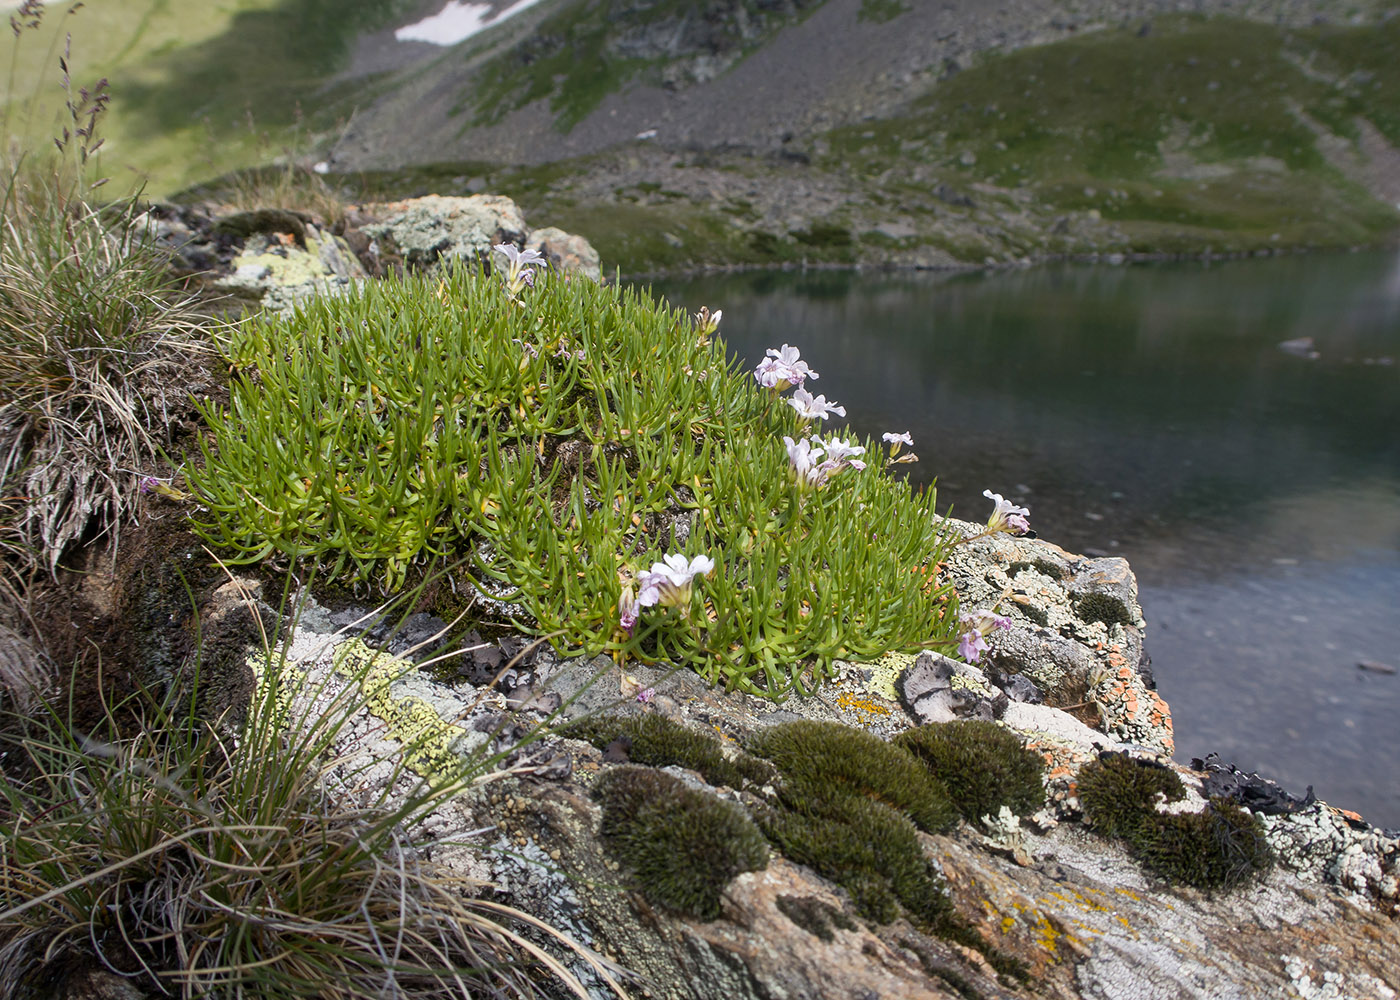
x=804 y=461
x=840 y=454
x=668 y=582
x=771 y=375
x=811 y=407
x=520 y=273
x=1006 y=516
x=790 y=358
x=897 y=439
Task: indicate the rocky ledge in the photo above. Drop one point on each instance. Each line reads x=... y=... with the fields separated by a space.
x=715 y=844
x=278 y=258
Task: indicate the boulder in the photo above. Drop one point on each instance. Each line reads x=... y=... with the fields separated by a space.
x=433 y=228
x=280 y=269
x=567 y=254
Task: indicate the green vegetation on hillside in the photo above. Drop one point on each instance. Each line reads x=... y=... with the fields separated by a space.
x=1198 y=134
x=1194 y=133
x=198 y=89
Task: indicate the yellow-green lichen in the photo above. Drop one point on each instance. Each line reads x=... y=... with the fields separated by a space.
x=884 y=672
x=430 y=743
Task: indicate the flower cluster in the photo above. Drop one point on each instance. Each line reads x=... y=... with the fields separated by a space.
x=520 y=272
x=1006 y=516
x=805 y=457
x=667 y=583
x=781 y=370
x=976 y=626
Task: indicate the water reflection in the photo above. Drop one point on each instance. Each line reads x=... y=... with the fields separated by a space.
x=1149 y=412
x=1131 y=403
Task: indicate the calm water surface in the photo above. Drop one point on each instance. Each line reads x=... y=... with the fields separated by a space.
x=1149 y=412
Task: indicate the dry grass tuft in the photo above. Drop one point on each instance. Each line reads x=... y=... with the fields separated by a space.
x=202 y=865
x=94 y=344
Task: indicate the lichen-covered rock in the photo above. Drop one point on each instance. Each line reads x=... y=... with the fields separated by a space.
x=566 y=252
x=918 y=910
x=282 y=269
x=935 y=688
x=434 y=228
x=1076 y=633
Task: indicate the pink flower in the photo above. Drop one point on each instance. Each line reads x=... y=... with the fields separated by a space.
x=976 y=624
x=971 y=646
x=645 y=695
x=627 y=609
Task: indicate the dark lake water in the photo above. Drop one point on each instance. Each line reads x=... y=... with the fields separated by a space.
x=1149 y=412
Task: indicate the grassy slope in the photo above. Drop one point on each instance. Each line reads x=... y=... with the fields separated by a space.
x=1186 y=137
x=197 y=88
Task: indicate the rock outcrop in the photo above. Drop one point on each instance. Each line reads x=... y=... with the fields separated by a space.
x=1037 y=904
x=279 y=258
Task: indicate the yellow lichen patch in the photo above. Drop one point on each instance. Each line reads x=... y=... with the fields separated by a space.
x=428 y=740
x=884 y=672
x=287 y=680
x=1028 y=921
x=1087 y=902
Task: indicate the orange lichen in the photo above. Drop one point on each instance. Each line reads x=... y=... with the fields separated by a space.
x=851 y=701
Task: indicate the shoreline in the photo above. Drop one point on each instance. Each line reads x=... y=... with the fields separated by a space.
x=1111 y=258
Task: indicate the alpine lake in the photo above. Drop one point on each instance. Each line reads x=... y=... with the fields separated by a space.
x=1232 y=428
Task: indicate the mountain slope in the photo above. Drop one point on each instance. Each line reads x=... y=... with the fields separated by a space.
x=832 y=143
x=723 y=73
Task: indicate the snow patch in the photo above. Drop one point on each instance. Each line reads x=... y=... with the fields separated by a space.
x=458 y=21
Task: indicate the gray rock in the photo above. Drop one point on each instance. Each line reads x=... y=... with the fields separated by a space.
x=432 y=228
x=1045 y=657
x=937 y=689
x=1110 y=576
x=567 y=253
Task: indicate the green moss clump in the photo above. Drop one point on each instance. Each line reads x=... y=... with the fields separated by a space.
x=1102 y=608
x=823 y=758
x=683 y=846
x=862 y=845
x=657 y=741
x=846 y=806
x=1119 y=794
x=982 y=765
x=1219 y=848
